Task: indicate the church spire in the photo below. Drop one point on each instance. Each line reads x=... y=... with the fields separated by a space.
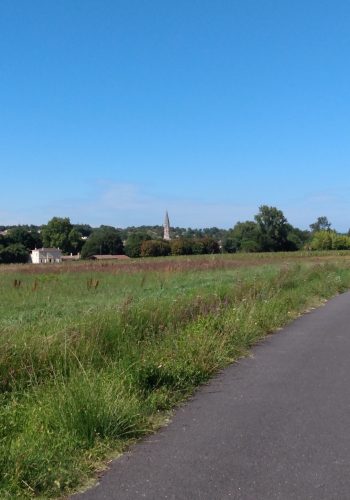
x=166 y=227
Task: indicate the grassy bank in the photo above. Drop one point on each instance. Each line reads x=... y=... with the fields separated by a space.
x=92 y=360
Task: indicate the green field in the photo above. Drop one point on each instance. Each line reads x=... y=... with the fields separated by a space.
x=94 y=355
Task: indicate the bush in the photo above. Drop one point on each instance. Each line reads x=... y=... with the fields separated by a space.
x=197 y=246
x=181 y=247
x=155 y=248
x=105 y=240
x=134 y=242
x=249 y=246
x=189 y=246
x=14 y=254
x=210 y=245
x=330 y=240
x=341 y=242
x=322 y=240
x=230 y=245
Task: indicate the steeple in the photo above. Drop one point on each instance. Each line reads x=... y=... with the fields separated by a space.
x=166 y=226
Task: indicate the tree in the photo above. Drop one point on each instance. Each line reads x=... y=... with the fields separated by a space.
x=15 y=253
x=181 y=246
x=56 y=234
x=155 y=248
x=245 y=236
x=341 y=242
x=321 y=240
x=210 y=245
x=273 y=229
x=230 y=245
x=60 y=233
x=189 y=246
x=329 y=240
x=321 y=224
x=134 y=242
x=20 y=235
x=75 y=241
x=103 y=241
x=3 y=241
x=297 y=238
x=83 y=229
x=197 y=246
x=248 y=246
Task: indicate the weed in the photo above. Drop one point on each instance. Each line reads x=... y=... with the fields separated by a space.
x=83 y=374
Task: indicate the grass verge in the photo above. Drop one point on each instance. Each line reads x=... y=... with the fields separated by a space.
x=91 y=385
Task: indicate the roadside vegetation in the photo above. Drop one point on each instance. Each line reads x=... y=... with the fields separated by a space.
x=94 y=356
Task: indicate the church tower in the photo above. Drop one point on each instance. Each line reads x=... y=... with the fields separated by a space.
x=166 y=227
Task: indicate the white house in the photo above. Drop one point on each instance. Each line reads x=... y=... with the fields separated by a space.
x=46 y=256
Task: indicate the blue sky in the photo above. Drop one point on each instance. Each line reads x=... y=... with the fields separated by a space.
x=112 y=111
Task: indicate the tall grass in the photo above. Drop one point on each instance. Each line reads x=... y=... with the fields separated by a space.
x=86 y=370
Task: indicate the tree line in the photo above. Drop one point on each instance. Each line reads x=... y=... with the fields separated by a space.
x=269 y=231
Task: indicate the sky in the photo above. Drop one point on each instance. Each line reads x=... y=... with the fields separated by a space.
x=112 y=111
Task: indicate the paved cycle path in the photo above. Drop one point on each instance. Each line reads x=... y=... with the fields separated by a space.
x=275 y=425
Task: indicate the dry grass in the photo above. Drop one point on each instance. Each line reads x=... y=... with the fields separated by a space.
x=93 y=353
x=178 y=264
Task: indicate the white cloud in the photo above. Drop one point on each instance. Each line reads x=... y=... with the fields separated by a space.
x=131 y=204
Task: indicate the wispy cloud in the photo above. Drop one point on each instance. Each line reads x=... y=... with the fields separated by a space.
x=132 y=204
x=334 y=203
x=128 y=204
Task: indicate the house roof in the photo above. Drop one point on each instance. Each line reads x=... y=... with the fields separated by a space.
x=71 y=257
x=47 y=250
x=109 y=257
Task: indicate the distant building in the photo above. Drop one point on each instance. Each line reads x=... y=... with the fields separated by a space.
x=68 y=258
x=46 y=256
x=109 y=257
x=166 y=227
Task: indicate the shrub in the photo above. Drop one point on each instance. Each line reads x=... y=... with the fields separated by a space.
x=181 y=247
x=189 y=246
x=322 y=240
x=16 y=253
x=210 y=245
x=330 y=240
x=134 y=242
x=197 y=246
x=249 y=246
x=155 y=248
x=105 y=240
x=230 y=245
x=341 y=242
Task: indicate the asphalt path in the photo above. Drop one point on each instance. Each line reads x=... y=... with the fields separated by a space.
x=275 y=425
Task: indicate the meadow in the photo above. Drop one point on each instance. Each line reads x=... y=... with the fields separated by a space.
x=95 y=355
